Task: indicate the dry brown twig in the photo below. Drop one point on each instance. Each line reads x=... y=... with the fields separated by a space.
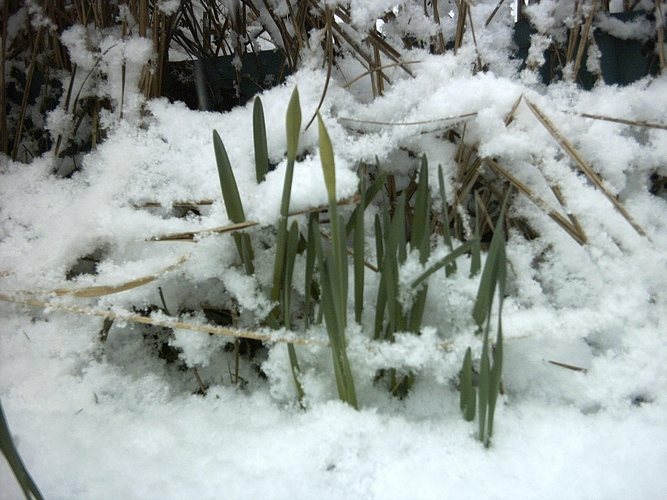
x=230 y=228
x=158 y=320
x=574 y=230
x=583 y=165
x=101 y=290
x=583 y=42
x=634 y=123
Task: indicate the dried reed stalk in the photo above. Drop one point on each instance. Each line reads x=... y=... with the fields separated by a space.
x=469 y=170
x=26 y=93
x=376 y=40
x=583 y=165
x=480 y=65
x=567 y=366
x=176 y=324
x=481 y=211
x=162 y=321
x=354 y=80
x=102 y=290
x=191 y=235
x=509 y=118
x=660 y=29
x=583 y=42
x=491 y=16
x=230 y=228
x=574 y=33
x=68 y=97
x=623 y=121
x=460 y=24
x=288 y=45
x=571 y=228
x=439 y=45
x=372 y=38
x=377 y=80
x=176 y=204
x=451 y=119
x=573 y=218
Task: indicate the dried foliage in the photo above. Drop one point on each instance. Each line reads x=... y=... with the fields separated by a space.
x=36 y=69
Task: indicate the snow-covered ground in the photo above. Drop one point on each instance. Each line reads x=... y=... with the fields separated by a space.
x=113 y=420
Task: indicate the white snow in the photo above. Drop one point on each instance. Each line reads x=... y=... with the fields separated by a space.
x=95 y=421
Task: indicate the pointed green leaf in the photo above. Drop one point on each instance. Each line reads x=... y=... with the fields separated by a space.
x=421 y=222
x=290 y=257
x=296 y=372
x=230 y=192
x=465 y=384
x=445 y=213
x=421 y=240
x=232 y=200
x=327 y=160
x=259 y=136
x=495 y=376
x=476 y=254
x=468 y=393
x=417 y=311
x=244 y=242
x=390 y=274
x=374 y=188
x=380 y=305
x=342 y=372
x=359 y=255
x=448 y=259
x=310 y=265
x=493 y=271
x=368 y=197
x=471 y=406
x=398 y=229
x=293 y=125
x=379 y=247
x=483 y=395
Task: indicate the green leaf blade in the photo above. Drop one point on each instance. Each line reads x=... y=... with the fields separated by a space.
x=359 y=255
x=230 y=192
x=259 y=136
x=327 y=160
x=293 y=125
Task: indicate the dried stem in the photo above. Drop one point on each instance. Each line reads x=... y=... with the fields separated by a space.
x=634 y=123
x=583 y=165
x=660 y=29
x=583 y=42
x=26 y=93
x=4 y=145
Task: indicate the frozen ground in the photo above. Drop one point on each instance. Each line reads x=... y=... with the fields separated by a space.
x=113 y=421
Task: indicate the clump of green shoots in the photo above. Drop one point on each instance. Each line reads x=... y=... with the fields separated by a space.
x=286 y=241
x=485 y=395
x=233 y=204
x=407 y=225
x=393 y=236
x=334 y=277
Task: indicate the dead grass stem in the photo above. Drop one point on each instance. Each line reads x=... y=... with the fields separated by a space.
x=583 y=165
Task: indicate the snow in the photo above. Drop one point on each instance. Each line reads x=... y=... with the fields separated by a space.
x=113 y=420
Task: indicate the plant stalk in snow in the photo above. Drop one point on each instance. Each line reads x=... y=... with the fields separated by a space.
x=334 y=277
